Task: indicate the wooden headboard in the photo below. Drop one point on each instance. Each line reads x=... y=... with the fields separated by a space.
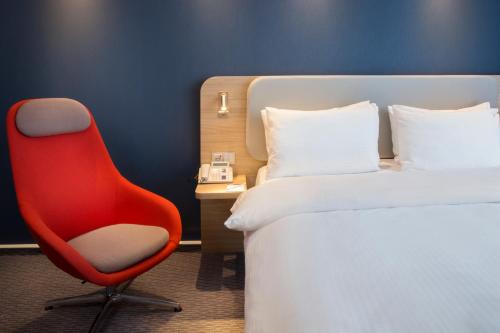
x=228 y=133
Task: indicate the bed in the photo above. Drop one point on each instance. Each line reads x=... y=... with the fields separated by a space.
x=385 y=251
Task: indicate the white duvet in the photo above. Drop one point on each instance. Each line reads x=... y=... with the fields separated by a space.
x=376 y=252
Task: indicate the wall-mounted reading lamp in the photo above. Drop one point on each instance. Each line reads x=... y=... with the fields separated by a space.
x=223 y=110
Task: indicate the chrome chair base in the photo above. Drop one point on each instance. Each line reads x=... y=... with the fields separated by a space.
x=109 y=297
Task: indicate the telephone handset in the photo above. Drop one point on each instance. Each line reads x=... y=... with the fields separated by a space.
x=216 y=172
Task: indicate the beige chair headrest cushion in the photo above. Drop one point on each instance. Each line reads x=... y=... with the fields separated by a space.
x=52 y=116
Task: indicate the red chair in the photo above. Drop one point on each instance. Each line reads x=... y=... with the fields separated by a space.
x=87 y=218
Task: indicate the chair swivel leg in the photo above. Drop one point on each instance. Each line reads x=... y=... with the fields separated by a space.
x=103 y=314
x=88 y=299
x=153 y=301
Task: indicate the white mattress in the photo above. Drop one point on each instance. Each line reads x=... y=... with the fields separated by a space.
x=382 y=252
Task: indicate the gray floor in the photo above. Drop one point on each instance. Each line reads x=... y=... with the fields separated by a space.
x=209 y=287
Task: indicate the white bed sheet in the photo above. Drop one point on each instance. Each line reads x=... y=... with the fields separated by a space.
x=423 y=268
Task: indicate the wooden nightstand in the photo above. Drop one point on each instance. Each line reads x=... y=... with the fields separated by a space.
x=216 y=202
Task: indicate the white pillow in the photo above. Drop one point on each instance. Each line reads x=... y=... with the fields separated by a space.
x=394 y=129
x=334 y=141
x=447 y=140
x=263 y=114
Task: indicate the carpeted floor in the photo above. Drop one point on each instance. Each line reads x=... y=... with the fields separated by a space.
x=209 y=288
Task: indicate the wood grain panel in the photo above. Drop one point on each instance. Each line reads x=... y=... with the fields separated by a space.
x=226 y=133
x=219 y=191
x=215 y=237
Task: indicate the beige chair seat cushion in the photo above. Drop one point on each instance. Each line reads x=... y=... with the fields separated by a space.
x=116 y=247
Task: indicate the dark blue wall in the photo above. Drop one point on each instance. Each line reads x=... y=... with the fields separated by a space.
x=139 y=65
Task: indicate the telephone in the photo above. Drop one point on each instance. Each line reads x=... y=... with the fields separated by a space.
x=216 y=172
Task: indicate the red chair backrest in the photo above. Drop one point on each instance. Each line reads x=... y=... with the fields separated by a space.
x=69 y=180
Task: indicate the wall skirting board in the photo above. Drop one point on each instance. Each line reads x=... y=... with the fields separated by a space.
x=35 y=246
